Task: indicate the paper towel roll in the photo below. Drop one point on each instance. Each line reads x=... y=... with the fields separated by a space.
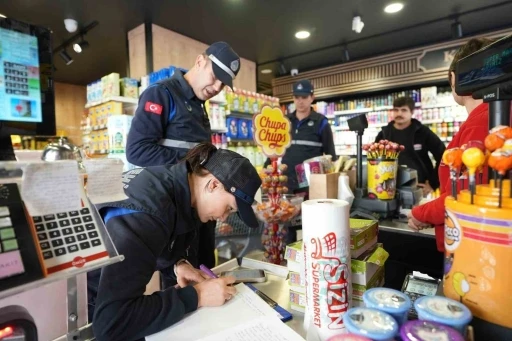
x=326 y=236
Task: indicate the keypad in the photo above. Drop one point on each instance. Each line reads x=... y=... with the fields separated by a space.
x=65 y=235
x=8 y=241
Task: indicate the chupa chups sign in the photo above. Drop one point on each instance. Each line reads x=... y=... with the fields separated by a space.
x=272 y=131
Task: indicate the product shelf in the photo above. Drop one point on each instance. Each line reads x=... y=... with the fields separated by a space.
x=125 y=100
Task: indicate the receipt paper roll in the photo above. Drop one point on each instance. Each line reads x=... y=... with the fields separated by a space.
x=326 y=246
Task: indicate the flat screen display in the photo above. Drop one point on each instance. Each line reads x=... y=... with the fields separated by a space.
x=490 y=65
x=27 y=101
x=20 y=88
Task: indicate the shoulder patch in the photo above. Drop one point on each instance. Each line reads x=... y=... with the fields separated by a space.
x=153 y=108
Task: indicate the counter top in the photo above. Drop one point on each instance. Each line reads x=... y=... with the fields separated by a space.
x=401 y=227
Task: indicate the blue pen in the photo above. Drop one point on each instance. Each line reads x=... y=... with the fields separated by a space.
x=207 y=271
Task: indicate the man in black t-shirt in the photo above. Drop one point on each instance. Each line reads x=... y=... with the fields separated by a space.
x=418 y=141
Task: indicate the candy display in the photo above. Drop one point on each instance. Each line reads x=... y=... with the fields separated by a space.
x=275 y=210
x=371 y=323
x=318 y=165
x=382 y=168
x=444 y=311
x=391 y=301
x=453 y=159
x=427 y=330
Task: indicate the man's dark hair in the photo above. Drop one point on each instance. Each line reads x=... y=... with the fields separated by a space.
x=404 y=101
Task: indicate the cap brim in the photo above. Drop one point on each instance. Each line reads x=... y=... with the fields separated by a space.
x=222 y=75
x=246 y=213
x=299 y=93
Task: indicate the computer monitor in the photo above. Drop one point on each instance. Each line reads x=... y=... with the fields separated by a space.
x=27 y=102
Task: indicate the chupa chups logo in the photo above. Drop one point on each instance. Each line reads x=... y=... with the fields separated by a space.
x=452 y=232
x=272 y=131
x=78 y=262
x=327 y=268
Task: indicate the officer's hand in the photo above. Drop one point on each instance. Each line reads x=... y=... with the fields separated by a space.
x=215 y=292
x=187 y=275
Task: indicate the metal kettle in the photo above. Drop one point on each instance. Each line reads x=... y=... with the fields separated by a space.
x=63 y=150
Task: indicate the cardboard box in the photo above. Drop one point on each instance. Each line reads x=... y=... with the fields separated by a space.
x=297 y=299
x=366 y=266
x=325 y=186
x=362 y=232
x=294 y=252
x=376 y=281
x=118 y=129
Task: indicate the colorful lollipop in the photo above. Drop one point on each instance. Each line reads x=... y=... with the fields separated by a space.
x=501 y=161
x=453 y=159
x=473 y=158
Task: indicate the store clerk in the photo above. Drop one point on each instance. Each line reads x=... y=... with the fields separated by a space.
x=171 y=119
x=153 y=229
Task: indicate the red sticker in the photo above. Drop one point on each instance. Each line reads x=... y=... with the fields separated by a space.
x=153 y=107
x=78 y=262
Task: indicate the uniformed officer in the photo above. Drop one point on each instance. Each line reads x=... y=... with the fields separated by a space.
x=311 y=132
x=171 y=119
x=154 y=227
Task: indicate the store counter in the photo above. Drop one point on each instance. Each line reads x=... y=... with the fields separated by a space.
x=409 y=251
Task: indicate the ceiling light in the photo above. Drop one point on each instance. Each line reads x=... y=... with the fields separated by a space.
x=282 y=69
x=394 y=7
x=79 y=47
x=266 y=71
x=66 y=57
x=456 y=30
x=2 y=16
x=302 y=35
x=345 y=56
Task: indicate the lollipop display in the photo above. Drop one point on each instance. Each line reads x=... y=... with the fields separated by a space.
x=382 y=168
x=275 y=210
x=501 y=161
x=453 y=159
x=473 y=158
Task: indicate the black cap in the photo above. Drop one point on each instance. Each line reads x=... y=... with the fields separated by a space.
x=239 y=177
x=225 y=62
x=303 y=88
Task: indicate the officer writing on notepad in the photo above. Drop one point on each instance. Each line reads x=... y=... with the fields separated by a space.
x=171 y=119
x=154 y=228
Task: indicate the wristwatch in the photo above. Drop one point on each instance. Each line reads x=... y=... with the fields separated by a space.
x=181 y=261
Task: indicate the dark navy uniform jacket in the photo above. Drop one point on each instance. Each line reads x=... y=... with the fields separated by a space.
x=153 y=229
x=168 y=122
x=311 y=137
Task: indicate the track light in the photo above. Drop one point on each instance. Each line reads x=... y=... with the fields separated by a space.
x=282 y=69
x=456 y=30
x=346 y=55
x=66 y=57
x=79 y=47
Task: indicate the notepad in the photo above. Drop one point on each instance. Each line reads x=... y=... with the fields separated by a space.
x=236 y=317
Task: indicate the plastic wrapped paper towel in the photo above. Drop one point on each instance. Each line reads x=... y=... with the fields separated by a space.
x=326 y=236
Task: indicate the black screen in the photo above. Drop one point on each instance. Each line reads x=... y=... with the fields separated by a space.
x=27 y=100
x=488 y=66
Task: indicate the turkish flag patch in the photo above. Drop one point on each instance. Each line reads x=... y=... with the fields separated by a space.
x=153 y=107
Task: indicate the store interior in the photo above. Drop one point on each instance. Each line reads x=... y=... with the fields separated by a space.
x=70 y=88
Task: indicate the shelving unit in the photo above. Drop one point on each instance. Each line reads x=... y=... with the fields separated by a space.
x=126 y=100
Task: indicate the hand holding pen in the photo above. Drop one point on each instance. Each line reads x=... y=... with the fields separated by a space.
x=216 y=291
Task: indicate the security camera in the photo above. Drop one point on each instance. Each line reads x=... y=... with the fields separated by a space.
x=294 y=72
x=71 y=25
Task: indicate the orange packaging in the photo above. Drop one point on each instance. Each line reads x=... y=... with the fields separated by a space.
x=478 y=243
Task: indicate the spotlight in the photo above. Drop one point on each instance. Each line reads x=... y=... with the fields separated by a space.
x=79 y=47
x=66 y=57
x=456 y=30
x=357 y=24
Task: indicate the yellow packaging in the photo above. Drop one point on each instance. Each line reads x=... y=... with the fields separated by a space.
x=382 y=178
x=478 y=256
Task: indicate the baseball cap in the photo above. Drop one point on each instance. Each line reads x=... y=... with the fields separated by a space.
x=303 y=88
x=239 y=177
x=225 y=62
